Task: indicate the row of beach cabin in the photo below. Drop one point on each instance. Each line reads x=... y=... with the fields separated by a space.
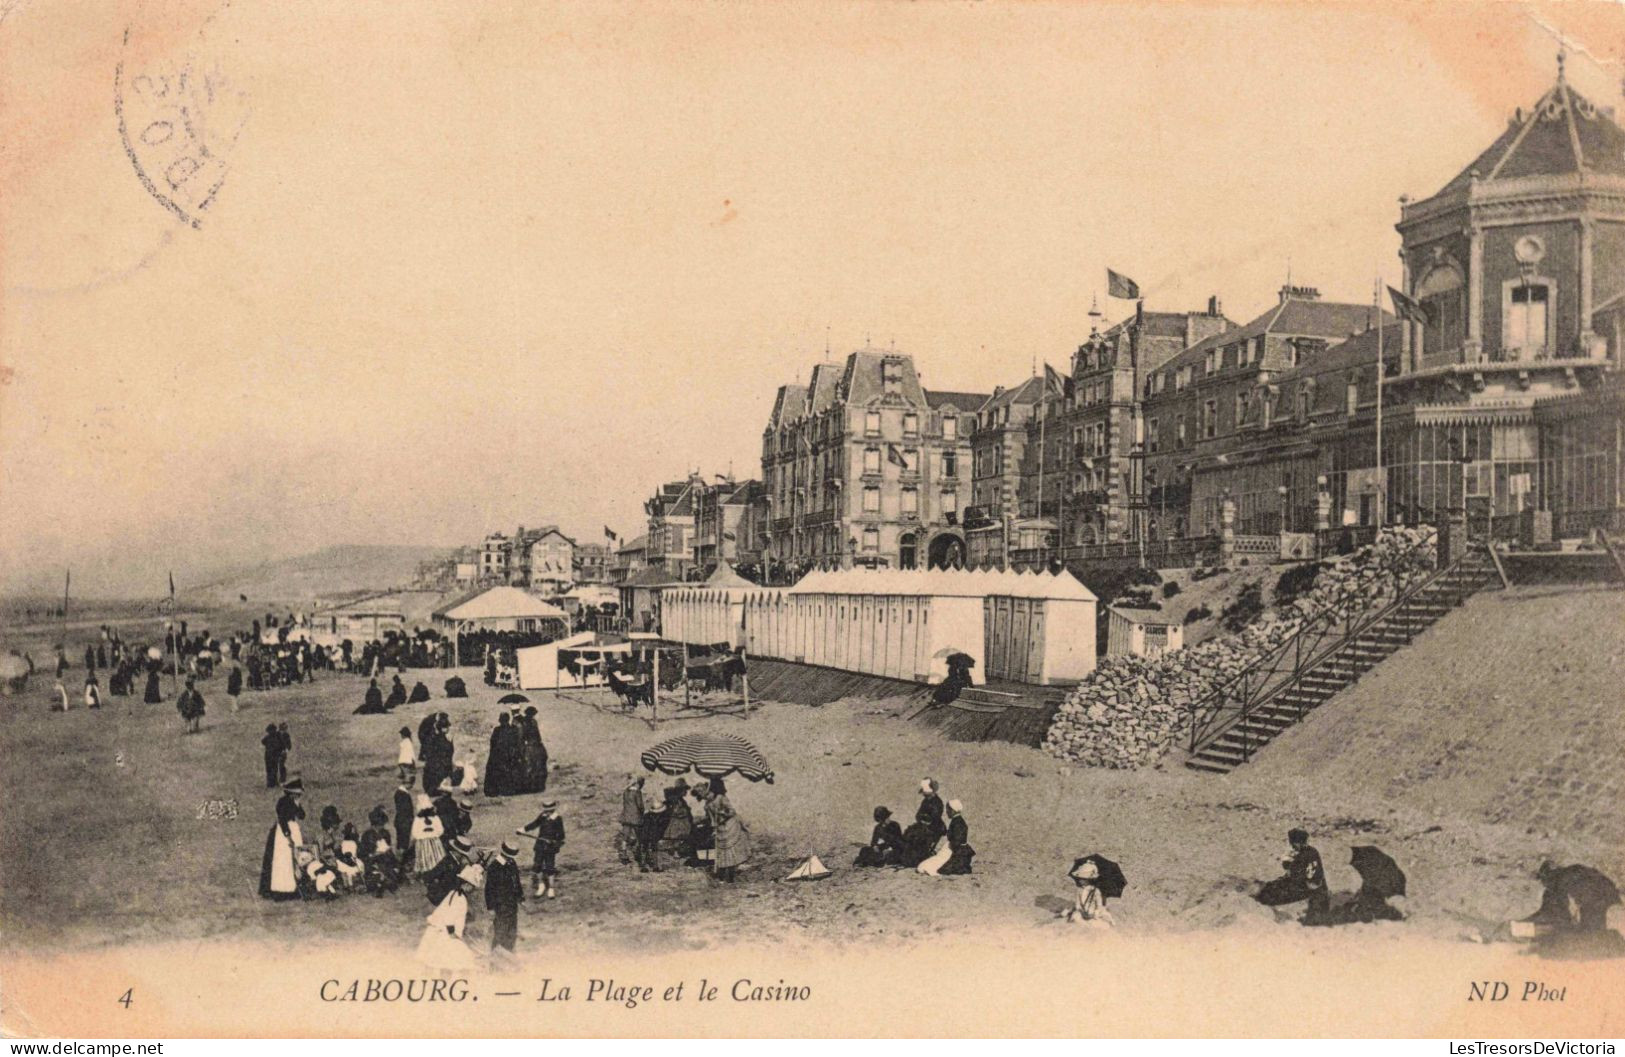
x=900 y=624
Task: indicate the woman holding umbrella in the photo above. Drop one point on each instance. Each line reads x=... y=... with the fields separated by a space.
x=1096 y=878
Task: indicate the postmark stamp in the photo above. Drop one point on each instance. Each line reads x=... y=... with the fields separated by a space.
x=178 y=120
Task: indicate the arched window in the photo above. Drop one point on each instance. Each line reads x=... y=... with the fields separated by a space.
x=1441 y=293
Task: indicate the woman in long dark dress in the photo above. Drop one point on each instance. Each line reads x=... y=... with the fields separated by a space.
x=438 y=759
x=504 y=764
x=279 y=878
x=922 y=837
x=533 y=752
x=428 y=752
x=960 y=853
x=154 y=695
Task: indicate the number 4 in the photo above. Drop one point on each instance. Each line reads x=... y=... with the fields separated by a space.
x=124 y=1000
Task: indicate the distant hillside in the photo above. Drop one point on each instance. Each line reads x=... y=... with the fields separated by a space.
x=327 y=573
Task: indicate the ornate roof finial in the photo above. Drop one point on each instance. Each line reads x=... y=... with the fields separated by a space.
x=1562 y=59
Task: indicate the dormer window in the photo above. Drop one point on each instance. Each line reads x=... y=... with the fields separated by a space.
x=892 y=375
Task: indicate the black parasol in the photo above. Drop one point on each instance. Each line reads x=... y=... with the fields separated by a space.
x=513 y=699
x=1110 y=880
x=1379 y=873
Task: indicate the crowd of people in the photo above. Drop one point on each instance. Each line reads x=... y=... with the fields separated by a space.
x=426 y=836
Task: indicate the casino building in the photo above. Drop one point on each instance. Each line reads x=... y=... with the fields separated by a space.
x=1501 y=390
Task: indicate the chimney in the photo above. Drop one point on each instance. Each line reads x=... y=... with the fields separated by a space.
x=1299 y=293
x=1213 y=306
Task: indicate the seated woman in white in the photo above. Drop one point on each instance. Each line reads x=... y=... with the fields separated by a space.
x=1088 y=905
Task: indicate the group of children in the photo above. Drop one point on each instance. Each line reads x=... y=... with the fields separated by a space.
x=344 y=859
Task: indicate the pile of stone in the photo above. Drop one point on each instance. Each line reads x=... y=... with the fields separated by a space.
x=1131 y=710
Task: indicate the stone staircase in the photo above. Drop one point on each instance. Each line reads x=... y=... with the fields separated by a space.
x=1341 y=662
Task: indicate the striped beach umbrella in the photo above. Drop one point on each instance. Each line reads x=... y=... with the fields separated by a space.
x=710 y=756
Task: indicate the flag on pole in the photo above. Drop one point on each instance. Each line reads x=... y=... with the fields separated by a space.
x=172 y=586
x=1407 y=307
x=609 y=535
x=1121 y=286
x=895 y=457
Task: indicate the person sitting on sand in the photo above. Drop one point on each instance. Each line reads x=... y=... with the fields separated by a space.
x=420 y=694
x=397 y=694
x=1304 y=879
x=380 y=863
x=885 y=847
x=317 y=878
x=455 y=687
x=954 y=854
x=1089 y=905
x=347 y=858
x=922 y=839
x=1574 y=898
x=373 y=703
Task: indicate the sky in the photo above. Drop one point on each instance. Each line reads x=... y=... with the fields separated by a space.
x=478 y=265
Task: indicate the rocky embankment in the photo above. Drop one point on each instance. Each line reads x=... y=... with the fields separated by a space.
x=1132 y=710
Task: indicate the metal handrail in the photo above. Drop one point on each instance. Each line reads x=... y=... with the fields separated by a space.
x=1249 y=707
x=1313 y=626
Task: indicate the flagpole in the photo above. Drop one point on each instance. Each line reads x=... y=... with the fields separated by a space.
x=1043 y=421
x=1382 y=478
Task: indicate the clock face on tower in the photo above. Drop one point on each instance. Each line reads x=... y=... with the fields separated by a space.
x=1529 y=249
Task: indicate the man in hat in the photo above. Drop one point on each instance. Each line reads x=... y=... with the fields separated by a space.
x=190 y=706
x=287 y=749
x=465 y=817
x=548 y=831
x=503 y=894
x=443 y=878
x=272 y=743
x=631 y=819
